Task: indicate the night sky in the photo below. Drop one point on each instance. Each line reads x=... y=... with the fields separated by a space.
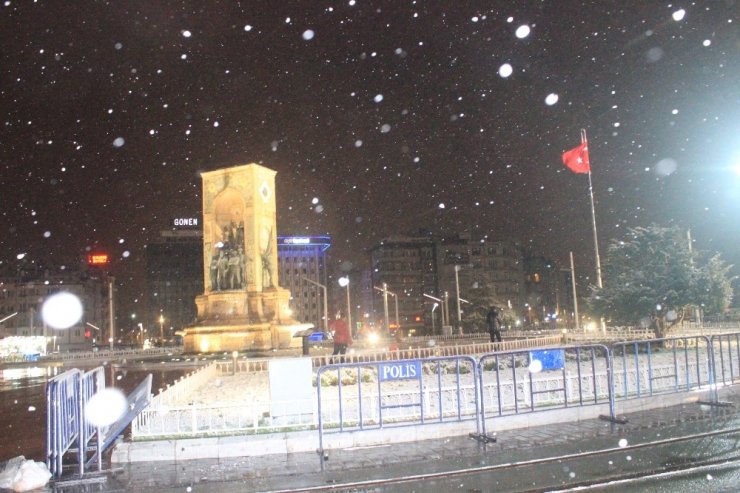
x=381 y=117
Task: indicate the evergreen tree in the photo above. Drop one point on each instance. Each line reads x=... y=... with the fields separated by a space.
x=482 y=296
x=652 y=278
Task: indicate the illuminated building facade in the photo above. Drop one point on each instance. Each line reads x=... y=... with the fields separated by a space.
x=302 y=259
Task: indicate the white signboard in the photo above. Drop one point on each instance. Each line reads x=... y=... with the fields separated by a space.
x=291 y=387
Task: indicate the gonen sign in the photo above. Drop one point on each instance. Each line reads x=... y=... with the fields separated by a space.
x=185 y=221
x=400 y=370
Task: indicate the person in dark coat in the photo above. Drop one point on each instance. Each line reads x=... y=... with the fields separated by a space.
x=494 y=324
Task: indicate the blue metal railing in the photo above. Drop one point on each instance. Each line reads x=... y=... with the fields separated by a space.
x=660 y=366
x=436 y=399
x=63 y=417
x=91 y=383
x=513 y=382
x=726 y=357
x=68 y=430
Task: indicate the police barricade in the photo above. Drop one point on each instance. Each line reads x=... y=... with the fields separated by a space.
x=67 y=429
x=91 y=383
x=658 y=366
x=725 y=359
x=374 y=395
x=526 y=381
x=137 y=401
x=63 y=411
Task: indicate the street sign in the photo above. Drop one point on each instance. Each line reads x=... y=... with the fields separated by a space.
x=399 y=370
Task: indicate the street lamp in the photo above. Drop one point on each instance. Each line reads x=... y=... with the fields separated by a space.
x=344 y=282
x=100 y=332
x=8 y=317
x=441 y=303
x=161 y=329
x=434 y=307
x=326 y=306
x=457 y=293
x=111 y=316
x=385 y=291
x=141 y=332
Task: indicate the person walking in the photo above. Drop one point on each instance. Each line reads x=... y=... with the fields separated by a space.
x=341 y=334
x=494 y=324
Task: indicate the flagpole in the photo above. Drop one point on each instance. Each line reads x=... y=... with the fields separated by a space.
x=599 y=283
x=575 y=296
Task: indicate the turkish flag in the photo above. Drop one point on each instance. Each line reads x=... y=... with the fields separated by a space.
x=576 y=159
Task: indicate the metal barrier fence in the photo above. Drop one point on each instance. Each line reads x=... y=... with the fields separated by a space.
x=251 y=364
x=183 y=386
x=512 y=382
x=91 y=383
x=725 y=349
x=655 y=366
x=64 y=409
x=509 y=381
x=367 y=395
x=68 y=430
x=116 y=353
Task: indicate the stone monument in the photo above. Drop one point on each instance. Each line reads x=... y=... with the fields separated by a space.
x=243 y=306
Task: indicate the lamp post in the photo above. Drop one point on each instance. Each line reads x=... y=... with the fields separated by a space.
x=161 y=329
x=446 y=308
x=434 y=307
x=111 y=317
x=344 y=282
x=385 y=306
x=439 y=302
x=141 y=333
x=326 y=307
x=100 y=332
x=386 y=292
x=457 y=296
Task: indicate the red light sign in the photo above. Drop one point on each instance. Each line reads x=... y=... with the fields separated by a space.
x=97 y=259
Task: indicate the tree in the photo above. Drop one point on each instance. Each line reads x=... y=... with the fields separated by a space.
x=482 y=296
x=714 y=286
x=652 y=277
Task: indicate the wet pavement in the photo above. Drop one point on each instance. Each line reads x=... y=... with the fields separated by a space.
x=519 y=460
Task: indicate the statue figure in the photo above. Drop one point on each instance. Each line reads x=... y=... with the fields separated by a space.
x=214 y=273
x=266 y=262
x=234 y=273
x=223 y=265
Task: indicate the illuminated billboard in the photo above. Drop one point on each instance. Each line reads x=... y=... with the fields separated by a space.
x=323 y=242
x=97 y=259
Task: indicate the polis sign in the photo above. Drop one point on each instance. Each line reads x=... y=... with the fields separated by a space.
x=402 y=370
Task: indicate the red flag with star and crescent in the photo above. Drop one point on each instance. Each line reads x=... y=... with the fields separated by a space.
x=576 y=159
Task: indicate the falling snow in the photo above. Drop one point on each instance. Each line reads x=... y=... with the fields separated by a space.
x=403 y=117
